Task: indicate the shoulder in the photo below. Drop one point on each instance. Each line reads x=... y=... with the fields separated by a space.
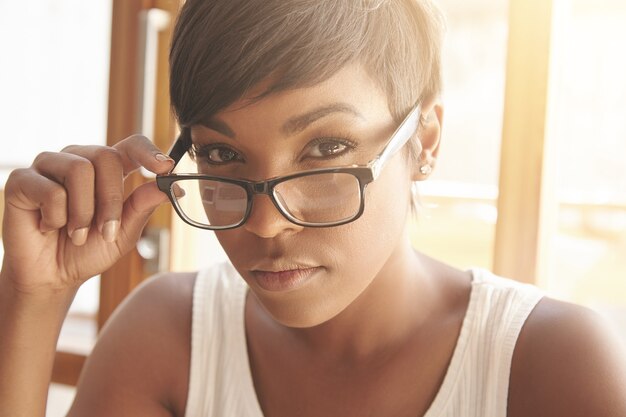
x=144 y=350
x=161 y=304
x=567 y=361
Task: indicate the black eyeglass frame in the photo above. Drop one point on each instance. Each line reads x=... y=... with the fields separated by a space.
x=364 y=174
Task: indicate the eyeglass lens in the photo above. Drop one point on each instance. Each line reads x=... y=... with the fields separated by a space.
x=318 y=199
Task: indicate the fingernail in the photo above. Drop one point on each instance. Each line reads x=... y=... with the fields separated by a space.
x=79 y=236
x=162 y=157
x=109 y=230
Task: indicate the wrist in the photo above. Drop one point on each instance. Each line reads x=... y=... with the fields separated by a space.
x=42 y=300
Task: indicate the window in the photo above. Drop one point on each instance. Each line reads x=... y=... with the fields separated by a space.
x=458 y=217
x=54 y=83
x=589 y=131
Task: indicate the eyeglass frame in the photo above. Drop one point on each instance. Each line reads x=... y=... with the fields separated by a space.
x=364 y=174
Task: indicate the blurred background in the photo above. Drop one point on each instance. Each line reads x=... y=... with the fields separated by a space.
x=76 y=72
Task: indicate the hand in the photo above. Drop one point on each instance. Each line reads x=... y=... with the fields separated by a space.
x=65 y=216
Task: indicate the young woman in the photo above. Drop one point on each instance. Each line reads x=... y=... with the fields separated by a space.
x=308 y=123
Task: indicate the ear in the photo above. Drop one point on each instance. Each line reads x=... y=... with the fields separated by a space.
x=429 y=134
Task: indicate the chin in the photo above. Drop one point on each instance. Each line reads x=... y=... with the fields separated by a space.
x=298 y=314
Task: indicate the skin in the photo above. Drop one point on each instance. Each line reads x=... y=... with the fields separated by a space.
x=338 y=336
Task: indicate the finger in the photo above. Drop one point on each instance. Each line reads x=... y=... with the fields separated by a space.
x=77 y=175
x=137 y=209
x=138 y=151
x=41 y=202
x=135 y=151
x=109 y=186
x=112 y=164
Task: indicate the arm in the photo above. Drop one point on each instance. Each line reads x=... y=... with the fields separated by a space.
x=29 y=329
x=65 y=220
x=140 y=365
x=568 y=362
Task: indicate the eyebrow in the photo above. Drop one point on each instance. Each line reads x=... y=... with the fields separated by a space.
x=295 y=124
x=299 y=123
x=219 y=126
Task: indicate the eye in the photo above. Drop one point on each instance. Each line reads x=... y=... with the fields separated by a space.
x=329 y=147
x=216 y=154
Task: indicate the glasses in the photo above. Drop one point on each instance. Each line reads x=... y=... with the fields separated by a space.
x=316 y=198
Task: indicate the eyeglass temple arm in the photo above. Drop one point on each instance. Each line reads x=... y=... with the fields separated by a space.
x=177 y=151
x=400 y=137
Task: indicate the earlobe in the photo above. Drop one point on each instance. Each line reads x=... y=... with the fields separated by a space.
x=426 y=169
x=430 y=139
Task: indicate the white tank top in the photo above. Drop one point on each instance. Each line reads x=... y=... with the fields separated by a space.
x=475 y=385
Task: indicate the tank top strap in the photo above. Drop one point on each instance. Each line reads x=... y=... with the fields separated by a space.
x=477 y=380
x=220 y=382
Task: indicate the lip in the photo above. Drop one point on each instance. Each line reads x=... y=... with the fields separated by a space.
x=285 y=280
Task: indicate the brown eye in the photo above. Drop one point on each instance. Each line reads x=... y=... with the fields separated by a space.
x=328 y=148
x=216 y=154
x=222 y=155
x=331 y=148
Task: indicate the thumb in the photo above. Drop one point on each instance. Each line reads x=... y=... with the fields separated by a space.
x=137 y=209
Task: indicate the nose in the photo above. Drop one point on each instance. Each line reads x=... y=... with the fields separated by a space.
x=266 y=221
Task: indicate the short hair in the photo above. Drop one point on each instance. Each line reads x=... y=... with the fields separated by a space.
x=221 y=49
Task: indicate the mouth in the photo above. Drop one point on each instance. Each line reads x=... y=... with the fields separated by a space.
x=284 y=280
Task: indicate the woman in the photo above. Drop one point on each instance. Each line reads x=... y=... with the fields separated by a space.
x=308 y=122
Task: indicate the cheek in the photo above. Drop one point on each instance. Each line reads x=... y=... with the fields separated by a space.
x=387 y=199
x=360 y=250
x=377 y=233
x=238 y=247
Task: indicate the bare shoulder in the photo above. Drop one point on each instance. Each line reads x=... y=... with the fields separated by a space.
x=568 y=361
x=140 y=364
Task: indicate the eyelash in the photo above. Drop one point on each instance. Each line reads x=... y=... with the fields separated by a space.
x=202 y=152
x=343 y=139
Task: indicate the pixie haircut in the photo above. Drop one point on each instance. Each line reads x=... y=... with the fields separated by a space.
x=221 y=49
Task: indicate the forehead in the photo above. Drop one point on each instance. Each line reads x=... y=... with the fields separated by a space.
x=351 y=87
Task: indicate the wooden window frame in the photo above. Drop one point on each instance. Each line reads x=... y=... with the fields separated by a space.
x=125 y=275
x=526 y=204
